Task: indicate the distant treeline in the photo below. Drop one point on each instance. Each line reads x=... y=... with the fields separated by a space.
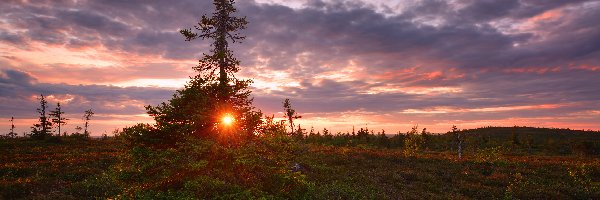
x=485 y=140
x=50 y=123
x=514 y=140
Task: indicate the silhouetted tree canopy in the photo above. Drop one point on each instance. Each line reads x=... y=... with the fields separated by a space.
x=87 y=116
x=220 y=27
x=290 y=113
x=58 y=118
x=196 y=109
x=12 y=133
x=44 y=125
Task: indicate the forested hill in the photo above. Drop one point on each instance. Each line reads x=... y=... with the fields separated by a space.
x=522 y=134
x=513 y=140
x=561 y=141
x=508 y=131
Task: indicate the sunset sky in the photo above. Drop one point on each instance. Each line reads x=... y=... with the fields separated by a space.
x=385 y=64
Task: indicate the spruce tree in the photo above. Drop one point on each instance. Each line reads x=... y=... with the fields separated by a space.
x=290 y=113
x=43 y=127
x=198 y=108
x=12 y=133
x=58 y=118
x=459 y=140
x=87 y=116
x=219 y=27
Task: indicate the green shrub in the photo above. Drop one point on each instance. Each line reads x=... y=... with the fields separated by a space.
x=413 y=142
x=489 y=155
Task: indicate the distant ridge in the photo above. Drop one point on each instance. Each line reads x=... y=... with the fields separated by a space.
x=528 y=130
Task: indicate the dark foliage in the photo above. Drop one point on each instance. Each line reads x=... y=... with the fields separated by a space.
x=197 y=109
x=12 y=133
x=290 y=114
x=190 y=153
x=43 y=128
x=220 y=27
x=87 y=116
x=542 y=141
x=58 y=118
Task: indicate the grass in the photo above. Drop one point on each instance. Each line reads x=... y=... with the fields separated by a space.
x=32 y=169
x=84 y=169
x=354 y=173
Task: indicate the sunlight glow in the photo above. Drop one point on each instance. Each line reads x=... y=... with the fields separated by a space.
x=227 y=119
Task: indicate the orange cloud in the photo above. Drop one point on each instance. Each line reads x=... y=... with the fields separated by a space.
x=586 y=67
x=434 y=75
x=546 y=16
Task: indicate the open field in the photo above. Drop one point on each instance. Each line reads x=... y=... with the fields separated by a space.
x=386 y=174
x=52 y=169
x=76 y=169
x=232 y=99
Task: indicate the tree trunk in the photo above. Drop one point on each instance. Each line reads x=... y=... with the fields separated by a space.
x=221 y=46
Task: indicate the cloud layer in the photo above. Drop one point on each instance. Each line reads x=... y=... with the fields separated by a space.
x=388 y=64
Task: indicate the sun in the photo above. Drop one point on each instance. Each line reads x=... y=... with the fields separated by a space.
x=227 y=119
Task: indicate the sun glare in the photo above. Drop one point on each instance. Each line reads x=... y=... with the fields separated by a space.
x=227 y=119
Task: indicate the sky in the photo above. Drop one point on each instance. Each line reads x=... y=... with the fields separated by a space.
x=381 y=64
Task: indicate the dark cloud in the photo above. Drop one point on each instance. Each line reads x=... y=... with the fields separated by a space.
x=91 y=20
x=484 y=10
x=359 y=33
x=19 y=88
x=11 y=38
x=496 y=52
x=342 y=31
x=533 y=8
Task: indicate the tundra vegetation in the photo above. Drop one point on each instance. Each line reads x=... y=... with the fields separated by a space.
x=209 y=142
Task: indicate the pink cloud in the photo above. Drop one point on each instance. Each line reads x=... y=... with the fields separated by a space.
x=536 y=70
x=586 y=67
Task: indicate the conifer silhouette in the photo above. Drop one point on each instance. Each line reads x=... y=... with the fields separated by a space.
x=290 y=113
x=58 y=118
x=219 y=27
x=459 y=140
x=43 y=127
x=12 y=133
x=197 y=108
x=86 y=117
